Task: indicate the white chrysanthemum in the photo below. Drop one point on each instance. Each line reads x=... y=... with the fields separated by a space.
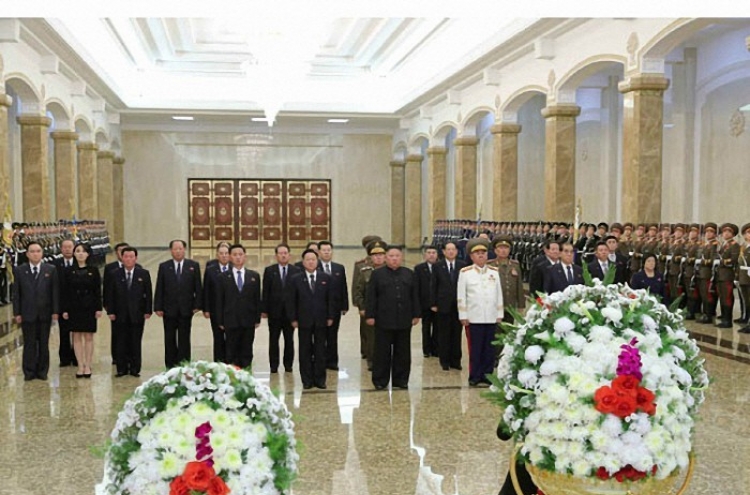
x=563 y=326
x=614 y=315
x=533 y=354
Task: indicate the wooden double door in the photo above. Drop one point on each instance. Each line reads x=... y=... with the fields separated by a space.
x=258 y=213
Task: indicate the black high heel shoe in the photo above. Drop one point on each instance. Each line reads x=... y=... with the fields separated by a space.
x=87 y=375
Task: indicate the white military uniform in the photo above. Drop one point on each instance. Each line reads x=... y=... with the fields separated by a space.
x=479 y=294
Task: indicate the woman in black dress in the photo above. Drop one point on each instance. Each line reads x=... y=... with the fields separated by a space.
x=650 y=278
x=82 y=305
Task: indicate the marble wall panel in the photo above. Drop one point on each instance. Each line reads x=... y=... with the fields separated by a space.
x=413 y=201
x=505 y=178
x=531 y=160
x=88 y=204
x=559 y=164
x=466 y=177
x=398 y=207
x=104 y=188
x=117 y=233
x=65 y=154
x=5 y=167
x=437 y=166
x=34 y=166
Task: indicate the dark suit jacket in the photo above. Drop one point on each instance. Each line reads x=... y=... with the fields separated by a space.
x=133 y=303
x=308 y=308
x=339 y=289
x=36 y=299
x=656 y=285
x=235 y=309
x=392 y=298
x=444 y=288
x=555 y=279
x=210 y=286
x=274 y=292
x=536 y=274
x=109 y=270
x=619 y=266
x=178 y=298
x=425 y=281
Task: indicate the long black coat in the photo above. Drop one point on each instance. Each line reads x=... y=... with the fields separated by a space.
x=274 y=298
x=308 y=308
x=36 y=299
x=339 y=288
x=135 y=302
x=235 y=309
x=445 y=285
x=392 y=298
x=178 y=297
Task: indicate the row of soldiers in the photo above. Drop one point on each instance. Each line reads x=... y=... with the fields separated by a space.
x=50 y=235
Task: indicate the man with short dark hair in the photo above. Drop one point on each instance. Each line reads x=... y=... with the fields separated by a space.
x=339 y=299
x=177 y=298
x=443 y=305
x=565 y=273
x=214 y=268
x=63 y=263
x=601 y=264
x=36 y=303
x=109 y=270
x=424 y=273
x=617 y=258
x=538 y=270
x=275 y=280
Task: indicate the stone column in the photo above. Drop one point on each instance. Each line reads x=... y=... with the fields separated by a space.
x=560 y=161
x=65 y=174
x=642 y=147
x=437 y=167
x=104 y=188
x=413 y=201
x=398 y=212
x=5 y=186
x=505 y=171
x=88 y=205
x=466 y=177
x=118 y=200
x=34 y=167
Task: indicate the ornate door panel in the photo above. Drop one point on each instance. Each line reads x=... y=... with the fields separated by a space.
x=249 y=207
x=272 y=213
x=200 y=214
x=320 y=210
x=224 y=211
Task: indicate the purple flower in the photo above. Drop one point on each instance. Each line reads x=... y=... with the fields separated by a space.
x=629 y=360
x=203 y=430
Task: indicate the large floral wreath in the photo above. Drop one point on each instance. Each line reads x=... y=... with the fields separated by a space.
x=203 y=428
x=601 y=381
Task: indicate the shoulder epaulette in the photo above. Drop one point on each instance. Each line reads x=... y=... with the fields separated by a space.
x=514 y=262
x=467 y=268
x=492 y=267
x=366 y=267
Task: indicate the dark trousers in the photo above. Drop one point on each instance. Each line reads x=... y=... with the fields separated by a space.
x=392 y=357
x=278 y=327
x=113 y=342
x=449 y=339
x=744 y=291
x=67 y=356
x=726 y=299
x=481 y=352
x=708 y=296
x=35 y=360
x=220 y=342
x=240 y=346
x=332 y=343
x=128 y=349
x=177 y=339
x=693 y=297
x=429 y=334
x=312 y=355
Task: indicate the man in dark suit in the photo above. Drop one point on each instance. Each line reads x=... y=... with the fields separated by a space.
x=129 y=305
x=238 y=308
x=392 y=308
x=310 y=245
x=618 y=259
x=549 y=257
x=214 y=268
x=339 y=298
x=424 y=273
x=445 y=308
x=310 y=309
x=275 y=278
x=563 y=274
x=109 y=270
x=63 y=263
x=178 y=297
x=36 y=303
x=601 y=264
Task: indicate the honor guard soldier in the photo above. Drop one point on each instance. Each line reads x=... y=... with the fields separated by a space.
x=636 y=254
x=729 y=254
x=693 y=249
x=675 y=261
x=356 y=271
x=480 y=308
x=376 y=260
x=743 y=280
x=705 y=276
x=511 y=280
x=663 y=247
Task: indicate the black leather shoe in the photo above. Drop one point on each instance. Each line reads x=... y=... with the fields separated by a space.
x=321 y=386
x=81 y=375
x=288 y=370
x=274 y=370
x=705 y=320
x=741 y=321
x=41 y=377
x=307 y=386
x=28 y=378
x=426 y=355
x=120 y=375
x=379 y=387
x=472 y=383
x=137 y=375
x=332 y=368
x=446 y=368
x=744 y=330
x=724 y=324
x=690 y=316
x=459 y=367
x=404 y=386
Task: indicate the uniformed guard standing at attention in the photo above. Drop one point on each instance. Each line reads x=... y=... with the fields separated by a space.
x=705 y=274
x=356 y=271
x=743 y=280
x=729 y=254
x=511 y=279
x=376 y=254
x=690 y=271
x=674 y=262
x=480 y=308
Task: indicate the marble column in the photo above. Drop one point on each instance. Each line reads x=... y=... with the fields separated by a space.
x=118 y=200
x=5 y=185
x=35 y=167
x=560 y=161
x=643 y=101
x=505 y=171
x=437 y=166
x=65 y=174
x=104 y=188
x=398 y=212
x=466 y=177
x=413 y=201
x=88 y=204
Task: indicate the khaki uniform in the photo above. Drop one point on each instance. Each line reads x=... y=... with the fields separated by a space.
x=705 y=279
x=689 y=278
x=359 y=298
x=725 y=274
x=358 y=265
x=675 y=258
x=743 y=280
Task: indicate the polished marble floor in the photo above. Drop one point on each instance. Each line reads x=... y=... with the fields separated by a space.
x=438 y=437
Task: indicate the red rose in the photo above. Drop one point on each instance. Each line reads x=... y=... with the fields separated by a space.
x=645 y=400
x=198 y=475
x=178 y=487
x=605 y=400
x=602 y=473
x=218 y=487
x=625 y=407
x=626 y=383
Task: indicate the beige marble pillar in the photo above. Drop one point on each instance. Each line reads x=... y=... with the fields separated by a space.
x=437 y=166
x=5 y=185
x=642 y=125
x=466 y=177
x=88 y=204
x=505 y=171
x=413 y=201
x=104 y=187
x=560 y=162
x=398 y=207
x=65 y=174
x=117 y=233
x=34 y=167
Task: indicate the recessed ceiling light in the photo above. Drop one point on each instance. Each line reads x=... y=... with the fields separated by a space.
x=338 y=121
x=182 y=117
x=259 y=119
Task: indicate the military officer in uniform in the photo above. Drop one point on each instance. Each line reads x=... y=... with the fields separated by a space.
x=743 y=280
x=376 y=254
x=693 y=248
x=357 y=270
x=511 y=280
x=729 y=254
x=480 y=308
x=705 y=275
x=674 y=262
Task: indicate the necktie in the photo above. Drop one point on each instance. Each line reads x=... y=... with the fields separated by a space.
x=570 y=274
x=239 y=280
x=450 y=268
x=328 y=268
x=35 y=271
x=179 y=270
x=312 y=283
x=605 y=267
x=224 y=268
x=130 y=279
x=283 y=274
